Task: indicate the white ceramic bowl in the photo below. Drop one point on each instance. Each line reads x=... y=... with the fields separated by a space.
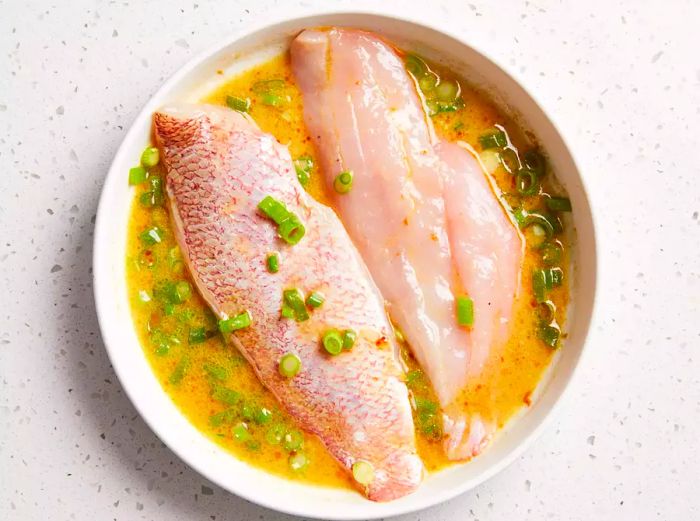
x=198 y=77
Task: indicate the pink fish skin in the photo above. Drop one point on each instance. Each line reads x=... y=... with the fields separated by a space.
x=220 y=165
x=365 y=114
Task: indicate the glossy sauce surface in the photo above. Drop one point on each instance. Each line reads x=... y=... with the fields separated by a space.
x=194 y=374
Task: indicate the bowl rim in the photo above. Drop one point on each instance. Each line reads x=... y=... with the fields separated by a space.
x=101 y=261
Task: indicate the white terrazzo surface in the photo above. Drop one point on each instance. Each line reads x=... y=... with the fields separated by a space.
x=622 y=79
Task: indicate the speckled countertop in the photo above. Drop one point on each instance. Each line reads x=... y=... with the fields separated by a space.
x=623 y=82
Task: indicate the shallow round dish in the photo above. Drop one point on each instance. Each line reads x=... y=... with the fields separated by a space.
x=200 y=76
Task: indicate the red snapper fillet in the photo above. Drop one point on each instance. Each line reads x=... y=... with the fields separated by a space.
x=425 y=220
x=220 y=165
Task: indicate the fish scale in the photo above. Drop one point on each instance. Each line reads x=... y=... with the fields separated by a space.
x=219 y=166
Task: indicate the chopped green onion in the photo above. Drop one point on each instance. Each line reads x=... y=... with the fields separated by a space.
x=232 y=324
x=520 y=214
x=349 y=337
x=218 y=419
x=554 y=277
x=493 y=139
x=559 y=204
x=273 y=263
x=291 y=230
x=447 y=91
x=415 y=65
x=216 y=371
x=275 y=434
x=198 y=335
x=180 y=370
x=551 y=252
x=247 y=412
x=332 y=342
x=509 y=159
x=274 y=209
x=315 y=300
x=546 y=311
x=149 y=199
x=539 y=285
x=287 y=312
x=343 y=182
x=240 y=432
x=227 y=396
x=549 y=334
x=183 y=290
x=363 y=472
x=273 y=100
x=428 y=82
x=534 y=161
x=414 y=377
x=137 y=175
x=297 y=461
x=293 y=440
x=290 y=365
x=150 y=157
x=526 y=182
x=152 y=236
x=156 y=183
x=239 y=104
x=549 y=223
x=262 y=415
x=465 y=311
x=169 y=309
x=303 y=167
x=295 y=300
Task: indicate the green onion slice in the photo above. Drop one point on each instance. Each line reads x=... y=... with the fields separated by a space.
x=273 y=263
x=415 y=65
x=239 y=104
x=332 y=342
x=293 y=440
x=447 y=91
x=150 y=157
x=303 y=166
x=465 y=311
x=274 y=209
x=363 y=472
x=493 y=139
x=137 y=175
x=290 y=365
x=294 y=299
x=240 y=321
x=510 y=160
x=343 y=182
x=240 y=432
x=552 y=252
x=546 y=311
x=291 y=230
x=539 y=285
x=428 y=82
x=559 y=204
x=315 y=300
x=549 y=334
x=152 y=236
x=526 y=182
x=198 y=335
x=349 y=337
x=298 y=461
